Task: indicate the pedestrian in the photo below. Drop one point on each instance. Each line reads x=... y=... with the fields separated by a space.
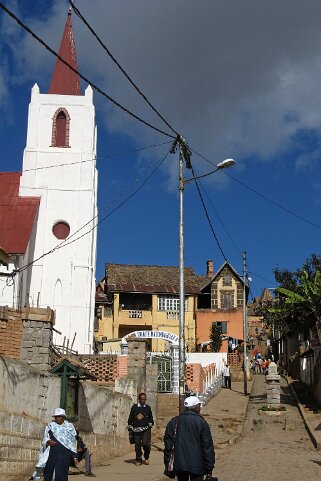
x=227 y=376
x=140 y=421
x=189 y=435
x=60 y=435
x=84 y=453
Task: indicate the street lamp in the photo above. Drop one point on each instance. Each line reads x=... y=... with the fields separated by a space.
x=184 y=154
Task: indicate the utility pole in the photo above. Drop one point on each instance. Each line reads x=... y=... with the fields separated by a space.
x=244 y=322
x=181 y=285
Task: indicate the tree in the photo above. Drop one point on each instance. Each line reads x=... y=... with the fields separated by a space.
x=297 y=305
x=215 y=336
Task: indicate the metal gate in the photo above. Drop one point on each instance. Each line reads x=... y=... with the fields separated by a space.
x=164 y=370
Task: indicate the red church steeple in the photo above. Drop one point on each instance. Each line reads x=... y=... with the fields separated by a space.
x=64 y=81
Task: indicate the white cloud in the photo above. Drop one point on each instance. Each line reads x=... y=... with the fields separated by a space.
x=236 y=78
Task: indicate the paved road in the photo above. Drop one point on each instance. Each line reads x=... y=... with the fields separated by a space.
x=272 y=447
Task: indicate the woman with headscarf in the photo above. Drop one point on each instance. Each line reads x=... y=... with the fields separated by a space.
x=60 y=436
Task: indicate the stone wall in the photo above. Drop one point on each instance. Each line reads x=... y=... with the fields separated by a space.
x=37 y=336
x=26 y=334
x=27 y=400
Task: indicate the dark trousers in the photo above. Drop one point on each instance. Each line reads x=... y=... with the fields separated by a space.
x=227 y=381
x=58 y=462
x=186 y=476
x=142 y=440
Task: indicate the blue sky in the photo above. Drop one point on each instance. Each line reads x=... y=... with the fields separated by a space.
x=239 y=81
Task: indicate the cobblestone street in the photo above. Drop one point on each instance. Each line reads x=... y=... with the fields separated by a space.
x=271 y=447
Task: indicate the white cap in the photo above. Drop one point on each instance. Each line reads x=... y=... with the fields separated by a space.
x=192 y=401
x=59 y=412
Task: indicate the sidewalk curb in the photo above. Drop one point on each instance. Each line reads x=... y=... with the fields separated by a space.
x=236 y=437
x=307 y=424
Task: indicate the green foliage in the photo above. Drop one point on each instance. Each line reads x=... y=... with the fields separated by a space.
x=215 y=336
x=297 y=305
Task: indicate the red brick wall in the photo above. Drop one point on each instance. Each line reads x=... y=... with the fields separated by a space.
x=195 y=376
x=122 y=366
x=10 y=333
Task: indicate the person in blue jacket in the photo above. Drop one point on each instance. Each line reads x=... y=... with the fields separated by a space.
x=190 y=437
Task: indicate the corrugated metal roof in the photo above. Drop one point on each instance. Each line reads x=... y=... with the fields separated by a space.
x=17 y=214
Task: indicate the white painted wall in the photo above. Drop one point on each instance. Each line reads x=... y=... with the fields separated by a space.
x=68 y=193
x=206 y=358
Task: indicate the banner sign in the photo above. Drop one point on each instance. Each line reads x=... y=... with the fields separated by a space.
x=166 y=336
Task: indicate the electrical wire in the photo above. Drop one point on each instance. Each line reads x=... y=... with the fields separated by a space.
x=82 y=18
x=67 y=241
x=207 y=216
x=288 y=211
x=94 y=86
x=221 y=220
x=109 y=156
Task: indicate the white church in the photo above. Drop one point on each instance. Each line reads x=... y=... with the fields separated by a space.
x=47 y=257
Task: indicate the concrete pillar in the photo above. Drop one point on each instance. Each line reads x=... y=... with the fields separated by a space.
x=137 y=362
x=273 y=385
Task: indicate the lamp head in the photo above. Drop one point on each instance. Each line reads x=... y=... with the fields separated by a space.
x=225 y=164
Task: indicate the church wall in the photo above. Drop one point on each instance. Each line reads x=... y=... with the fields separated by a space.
x=69 y=194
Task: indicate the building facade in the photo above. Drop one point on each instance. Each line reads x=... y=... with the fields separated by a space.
x=221 y=303
x=133 y=298
x=55 y=266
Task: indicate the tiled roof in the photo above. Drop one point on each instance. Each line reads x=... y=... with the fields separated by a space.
x=151 y=279
x=17 y=214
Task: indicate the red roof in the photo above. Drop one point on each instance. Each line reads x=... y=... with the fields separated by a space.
x=17 y=214
x=64 y=80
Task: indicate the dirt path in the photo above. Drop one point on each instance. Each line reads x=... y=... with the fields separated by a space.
x=272 y=447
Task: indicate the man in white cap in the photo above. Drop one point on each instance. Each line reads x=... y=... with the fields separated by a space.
x=59 y=442
x=190 y=437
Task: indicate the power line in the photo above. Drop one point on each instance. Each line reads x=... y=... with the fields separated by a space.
x=64 y=243
x=94 y=86
x=77 y=12
x=272 y=202
x=288 y=211
x=207 y=216
x=221 y=220
x=109 y=156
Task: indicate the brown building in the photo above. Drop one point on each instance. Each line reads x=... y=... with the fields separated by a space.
x=221 y=303
x=136 y=297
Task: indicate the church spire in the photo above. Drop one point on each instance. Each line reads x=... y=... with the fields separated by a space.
x=64 y=81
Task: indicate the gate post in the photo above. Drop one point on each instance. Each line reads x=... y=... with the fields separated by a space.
x=175 y=368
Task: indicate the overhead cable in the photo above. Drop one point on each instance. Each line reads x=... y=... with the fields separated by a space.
x=207 y=216
x=67 y=241
x=288 y=211
x=82 y=18
x=94 y=86
x=109 y=156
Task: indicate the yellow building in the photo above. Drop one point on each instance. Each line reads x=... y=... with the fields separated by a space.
x=135 y=297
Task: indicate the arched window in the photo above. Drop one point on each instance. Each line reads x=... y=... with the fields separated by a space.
x=60 y=129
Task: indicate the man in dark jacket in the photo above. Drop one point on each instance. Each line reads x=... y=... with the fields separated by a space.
x=190 y=436
x=140 y=422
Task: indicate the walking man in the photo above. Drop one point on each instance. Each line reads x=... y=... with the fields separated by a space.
x=190 y=437
x=227 y=376
x=140 y=421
